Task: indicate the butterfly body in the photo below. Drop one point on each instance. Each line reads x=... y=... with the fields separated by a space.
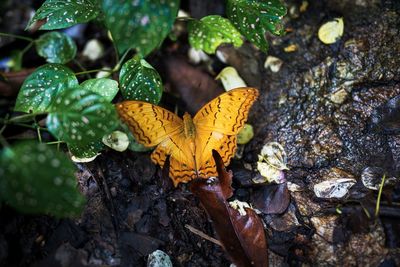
x=189 y=142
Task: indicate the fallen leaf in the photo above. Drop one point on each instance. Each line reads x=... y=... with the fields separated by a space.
x=242 y=236
x=272 y=198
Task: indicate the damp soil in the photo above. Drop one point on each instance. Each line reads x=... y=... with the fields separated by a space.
x=334 y=108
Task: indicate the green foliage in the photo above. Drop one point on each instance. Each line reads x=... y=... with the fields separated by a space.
x=253 y=18
x=38 y=179
x=139 y=24
x=140 y=81
x=211 y=31
x=61 y=14
x=105 y=87
x=86 y=151
x=80 y=118
x=42 y=86
x=56 y=47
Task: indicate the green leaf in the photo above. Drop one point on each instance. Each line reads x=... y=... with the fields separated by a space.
x=56 y=47
x=61 y=14
x=35 y=178
x=80 y=118
x=139 y=24
x=105 y=87
x=140 y=81
x=254 y=18
x=42 y=86
x=211 y=31
x=86 y=151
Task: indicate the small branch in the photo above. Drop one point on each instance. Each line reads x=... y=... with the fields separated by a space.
x=16 y=36
x=203 y=235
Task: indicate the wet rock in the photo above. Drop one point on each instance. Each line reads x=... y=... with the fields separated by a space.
x=325 y=226
x=159 y=258
x=386 y=118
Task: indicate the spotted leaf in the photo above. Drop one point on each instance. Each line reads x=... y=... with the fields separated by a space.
x=139 y=24
x=35 y=178
x=211 y=31
x=42 y=86
x=254 y=18
x=86 y=151
x=61 y=14
x=140 y=81
x=56 y=47
x=105 y=87
x=80 y=118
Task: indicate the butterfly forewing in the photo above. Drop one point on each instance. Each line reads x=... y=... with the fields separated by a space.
x=226 y=113
x=149 y=124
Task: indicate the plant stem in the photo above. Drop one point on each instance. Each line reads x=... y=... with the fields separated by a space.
x=91 y=71
x=26 y=116
x=378 y=200
x=55 y=143
x=84 y=71
x=16 y=36
x=118 y=65
x=26 y=48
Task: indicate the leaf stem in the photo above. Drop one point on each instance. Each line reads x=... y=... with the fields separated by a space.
x=16 y=36
x=91 y=71
x=55 y=143
x=118 y=65
x=83 y=69
x=26 y=116
x=27 y=48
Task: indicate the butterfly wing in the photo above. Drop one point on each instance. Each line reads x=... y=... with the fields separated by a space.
x=149 y=124
x=217 y=125
x=154 y=126
x=228 y=112
x=181 y=161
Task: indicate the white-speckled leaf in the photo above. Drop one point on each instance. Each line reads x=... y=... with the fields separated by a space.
x=254 y=18
x=56 y=47
x=80 y=118
x=105 y=87
x=86 y=151
x=140 y=81
x=36 y=178
x=42 y=86
x=61 y=14
x=139 y=24
x=212 y=31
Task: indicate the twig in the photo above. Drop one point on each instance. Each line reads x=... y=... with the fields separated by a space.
x=378 y=201
x=203 y=235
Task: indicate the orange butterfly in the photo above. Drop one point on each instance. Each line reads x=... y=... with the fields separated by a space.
x=190 y=142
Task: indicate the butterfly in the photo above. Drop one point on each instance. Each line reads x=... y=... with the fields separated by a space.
x=189 y=141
